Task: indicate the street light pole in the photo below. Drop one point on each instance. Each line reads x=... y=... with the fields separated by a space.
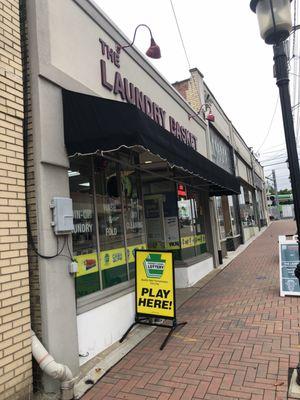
x=275 y=25
x=276 y=193
x=282 y=81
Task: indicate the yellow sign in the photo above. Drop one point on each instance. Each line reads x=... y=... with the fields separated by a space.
x=87 y=264
x=155 y=295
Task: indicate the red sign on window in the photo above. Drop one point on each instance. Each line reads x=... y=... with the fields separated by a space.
x=181 y=190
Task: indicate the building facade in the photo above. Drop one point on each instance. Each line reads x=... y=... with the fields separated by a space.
x=239 y=217
x=116 y=160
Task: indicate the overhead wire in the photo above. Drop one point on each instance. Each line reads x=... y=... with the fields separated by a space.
x=270 y=126
x=275 y=145
x=180 y=34
x=282 y=162
x=186 y=53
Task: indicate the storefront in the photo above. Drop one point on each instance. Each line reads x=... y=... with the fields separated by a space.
x=110 y=133
x=228 y=221
x=261 y=200
x=248 y=211
x=119 y=208
x=226 y=206
x=134 y=186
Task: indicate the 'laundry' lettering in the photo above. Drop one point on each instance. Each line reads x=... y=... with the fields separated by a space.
x=130 y=93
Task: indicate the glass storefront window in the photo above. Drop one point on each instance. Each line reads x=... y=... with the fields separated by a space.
x=113 y=218
x=247 y=208
x=161 y=219
x=260 y=205
x=133 y=215
x=191 y=225
x=84 y=236
x=174 y=219
x=104 y=246
x=113 y=259
x=220 y=217
x=233 y=216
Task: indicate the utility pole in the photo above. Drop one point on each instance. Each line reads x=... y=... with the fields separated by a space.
x=276 y=192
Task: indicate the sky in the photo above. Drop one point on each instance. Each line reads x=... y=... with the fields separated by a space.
x=222 y=40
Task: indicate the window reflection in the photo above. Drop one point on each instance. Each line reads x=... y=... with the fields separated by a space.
x=133 y=215
x=191 y=223
x=84 y=236
x=109 y=213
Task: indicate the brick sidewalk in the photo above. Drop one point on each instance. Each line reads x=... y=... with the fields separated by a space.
x=239 y=342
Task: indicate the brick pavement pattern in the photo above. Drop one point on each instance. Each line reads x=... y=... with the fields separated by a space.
x=239 y=342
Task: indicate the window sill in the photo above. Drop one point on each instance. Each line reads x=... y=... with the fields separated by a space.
x=100 y=298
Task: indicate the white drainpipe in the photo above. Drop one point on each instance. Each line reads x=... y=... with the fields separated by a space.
x=53 y=369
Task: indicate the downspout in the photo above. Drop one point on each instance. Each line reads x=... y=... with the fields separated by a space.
x=55 y=370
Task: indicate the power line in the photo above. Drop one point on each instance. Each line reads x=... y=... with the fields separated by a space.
x=280 y=153
x=275 y=157
x=280 y=145
x=272 y=151
x=270 y=165
x=270 y=126
x=282 y=162
x=186 y=54
x=180 y=35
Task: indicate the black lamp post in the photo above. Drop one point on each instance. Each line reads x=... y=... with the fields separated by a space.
x=275 y=24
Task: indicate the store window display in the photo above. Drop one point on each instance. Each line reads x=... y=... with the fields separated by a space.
x=104 y=246
x=247 y=207
x=113 y=217
x=220 y=216
x=191 y=223
x=84 y=235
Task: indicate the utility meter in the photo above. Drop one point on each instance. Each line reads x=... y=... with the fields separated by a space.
x=62 y=215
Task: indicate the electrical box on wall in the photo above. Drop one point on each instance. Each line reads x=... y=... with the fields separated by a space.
x=62 y=215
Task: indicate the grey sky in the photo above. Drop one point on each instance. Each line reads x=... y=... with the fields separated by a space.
x=223 y=42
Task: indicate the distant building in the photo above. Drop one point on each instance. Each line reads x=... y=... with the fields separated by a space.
x=239 y=217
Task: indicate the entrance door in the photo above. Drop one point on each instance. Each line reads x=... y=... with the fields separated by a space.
x=155 y=224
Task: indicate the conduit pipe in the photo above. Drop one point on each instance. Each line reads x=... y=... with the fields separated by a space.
x=55 y=370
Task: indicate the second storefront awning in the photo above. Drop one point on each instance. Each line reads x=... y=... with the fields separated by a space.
x=93 y=124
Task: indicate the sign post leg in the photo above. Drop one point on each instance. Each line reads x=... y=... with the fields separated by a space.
x=128 y=330
x=172 y=329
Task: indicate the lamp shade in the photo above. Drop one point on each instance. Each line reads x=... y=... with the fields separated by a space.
x=154 y=50
x=274 y=19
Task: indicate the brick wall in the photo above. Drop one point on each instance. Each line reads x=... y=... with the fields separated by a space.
x=34 y=281
x=15 y=342
x=190 y=89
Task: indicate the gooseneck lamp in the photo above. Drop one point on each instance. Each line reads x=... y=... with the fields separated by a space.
x=152 y=52
x=275 y=24
x=205 y=107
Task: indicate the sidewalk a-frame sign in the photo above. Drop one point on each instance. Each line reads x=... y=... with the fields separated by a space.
x=155 y=291
x=288 y=260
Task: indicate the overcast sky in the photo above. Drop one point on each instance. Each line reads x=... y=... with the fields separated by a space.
x=223 y=42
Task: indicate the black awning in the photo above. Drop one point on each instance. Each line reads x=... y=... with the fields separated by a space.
x=94 y=124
